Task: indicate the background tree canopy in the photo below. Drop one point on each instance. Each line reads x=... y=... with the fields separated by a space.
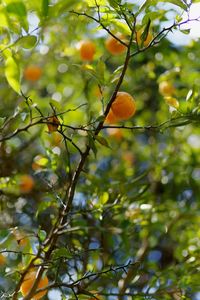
x=94 y=207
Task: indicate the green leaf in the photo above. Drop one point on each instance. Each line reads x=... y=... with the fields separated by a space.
x=6 y=52
x=45 y=7
x=185 y=31
x=147 y=3
x=92 y=144
x=60 y=7
x=23 y=116
x=4 y=21
x=12 y=74
x=154 y=15
x=43 y=205
x=2 y=120
x=42 y=235
x=92 y=3
x=142 y=7
x=104 y=198
x=100 y=70
x=121 y=27
x=102 y=141
x=118 y=69
x=55 y=104
x=62 y=252
x=190 y=95
x=177 y=3
x=113 y=3
x=28 y=41
x=17 y=8
x=146 y=31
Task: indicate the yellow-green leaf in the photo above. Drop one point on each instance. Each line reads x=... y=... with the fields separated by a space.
x=12 y=74
x=5 y=51
x=28 y=41
x=3 y=18
x=102 y=141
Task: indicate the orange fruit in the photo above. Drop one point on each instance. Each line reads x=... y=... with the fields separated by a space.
x=97 y=92
x=111 y=118
x=2 y=260
x=36 y=166
x=128 y=157
x=28 y=282
x=32 y=73
x=26 y=184
x=171 y=101
x=53 y=123
x=115 y=132
x=148 y=39
x=87 y=50
x=166 y=88
x=56 y=139
x=114 y=46
x=124 y=106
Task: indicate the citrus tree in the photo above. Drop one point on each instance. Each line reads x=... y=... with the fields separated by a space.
x=99 y=151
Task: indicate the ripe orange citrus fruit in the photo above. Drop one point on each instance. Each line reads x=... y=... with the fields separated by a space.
x=28 y=282
x=111 y=118
x=53 y=123
x=115 y=132
x=32 y=73
x=166 y=88
x=87 y=50
x=56 y=139
x=148 y=39
x=128 y=157
x=124 y=106
x=171 y=101
x=26 y=184
x=114 y=46
x=2 y=260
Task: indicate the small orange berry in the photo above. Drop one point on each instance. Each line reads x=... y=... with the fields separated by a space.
x=115 y=132
x=148 y=39
x=166 y=88
x=171 y=101
x=2 y=260
x=53 y=123
x=32 y=73
x=28 y=282
x=124 y=106
x=56 y=139
x=87 y=50
x=97 y=92
x=36 y=166
x=26 y=184
x=128 y=157
x=114 y=46
x=111 y=118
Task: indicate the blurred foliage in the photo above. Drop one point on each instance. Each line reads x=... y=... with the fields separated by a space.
x=136 y=200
